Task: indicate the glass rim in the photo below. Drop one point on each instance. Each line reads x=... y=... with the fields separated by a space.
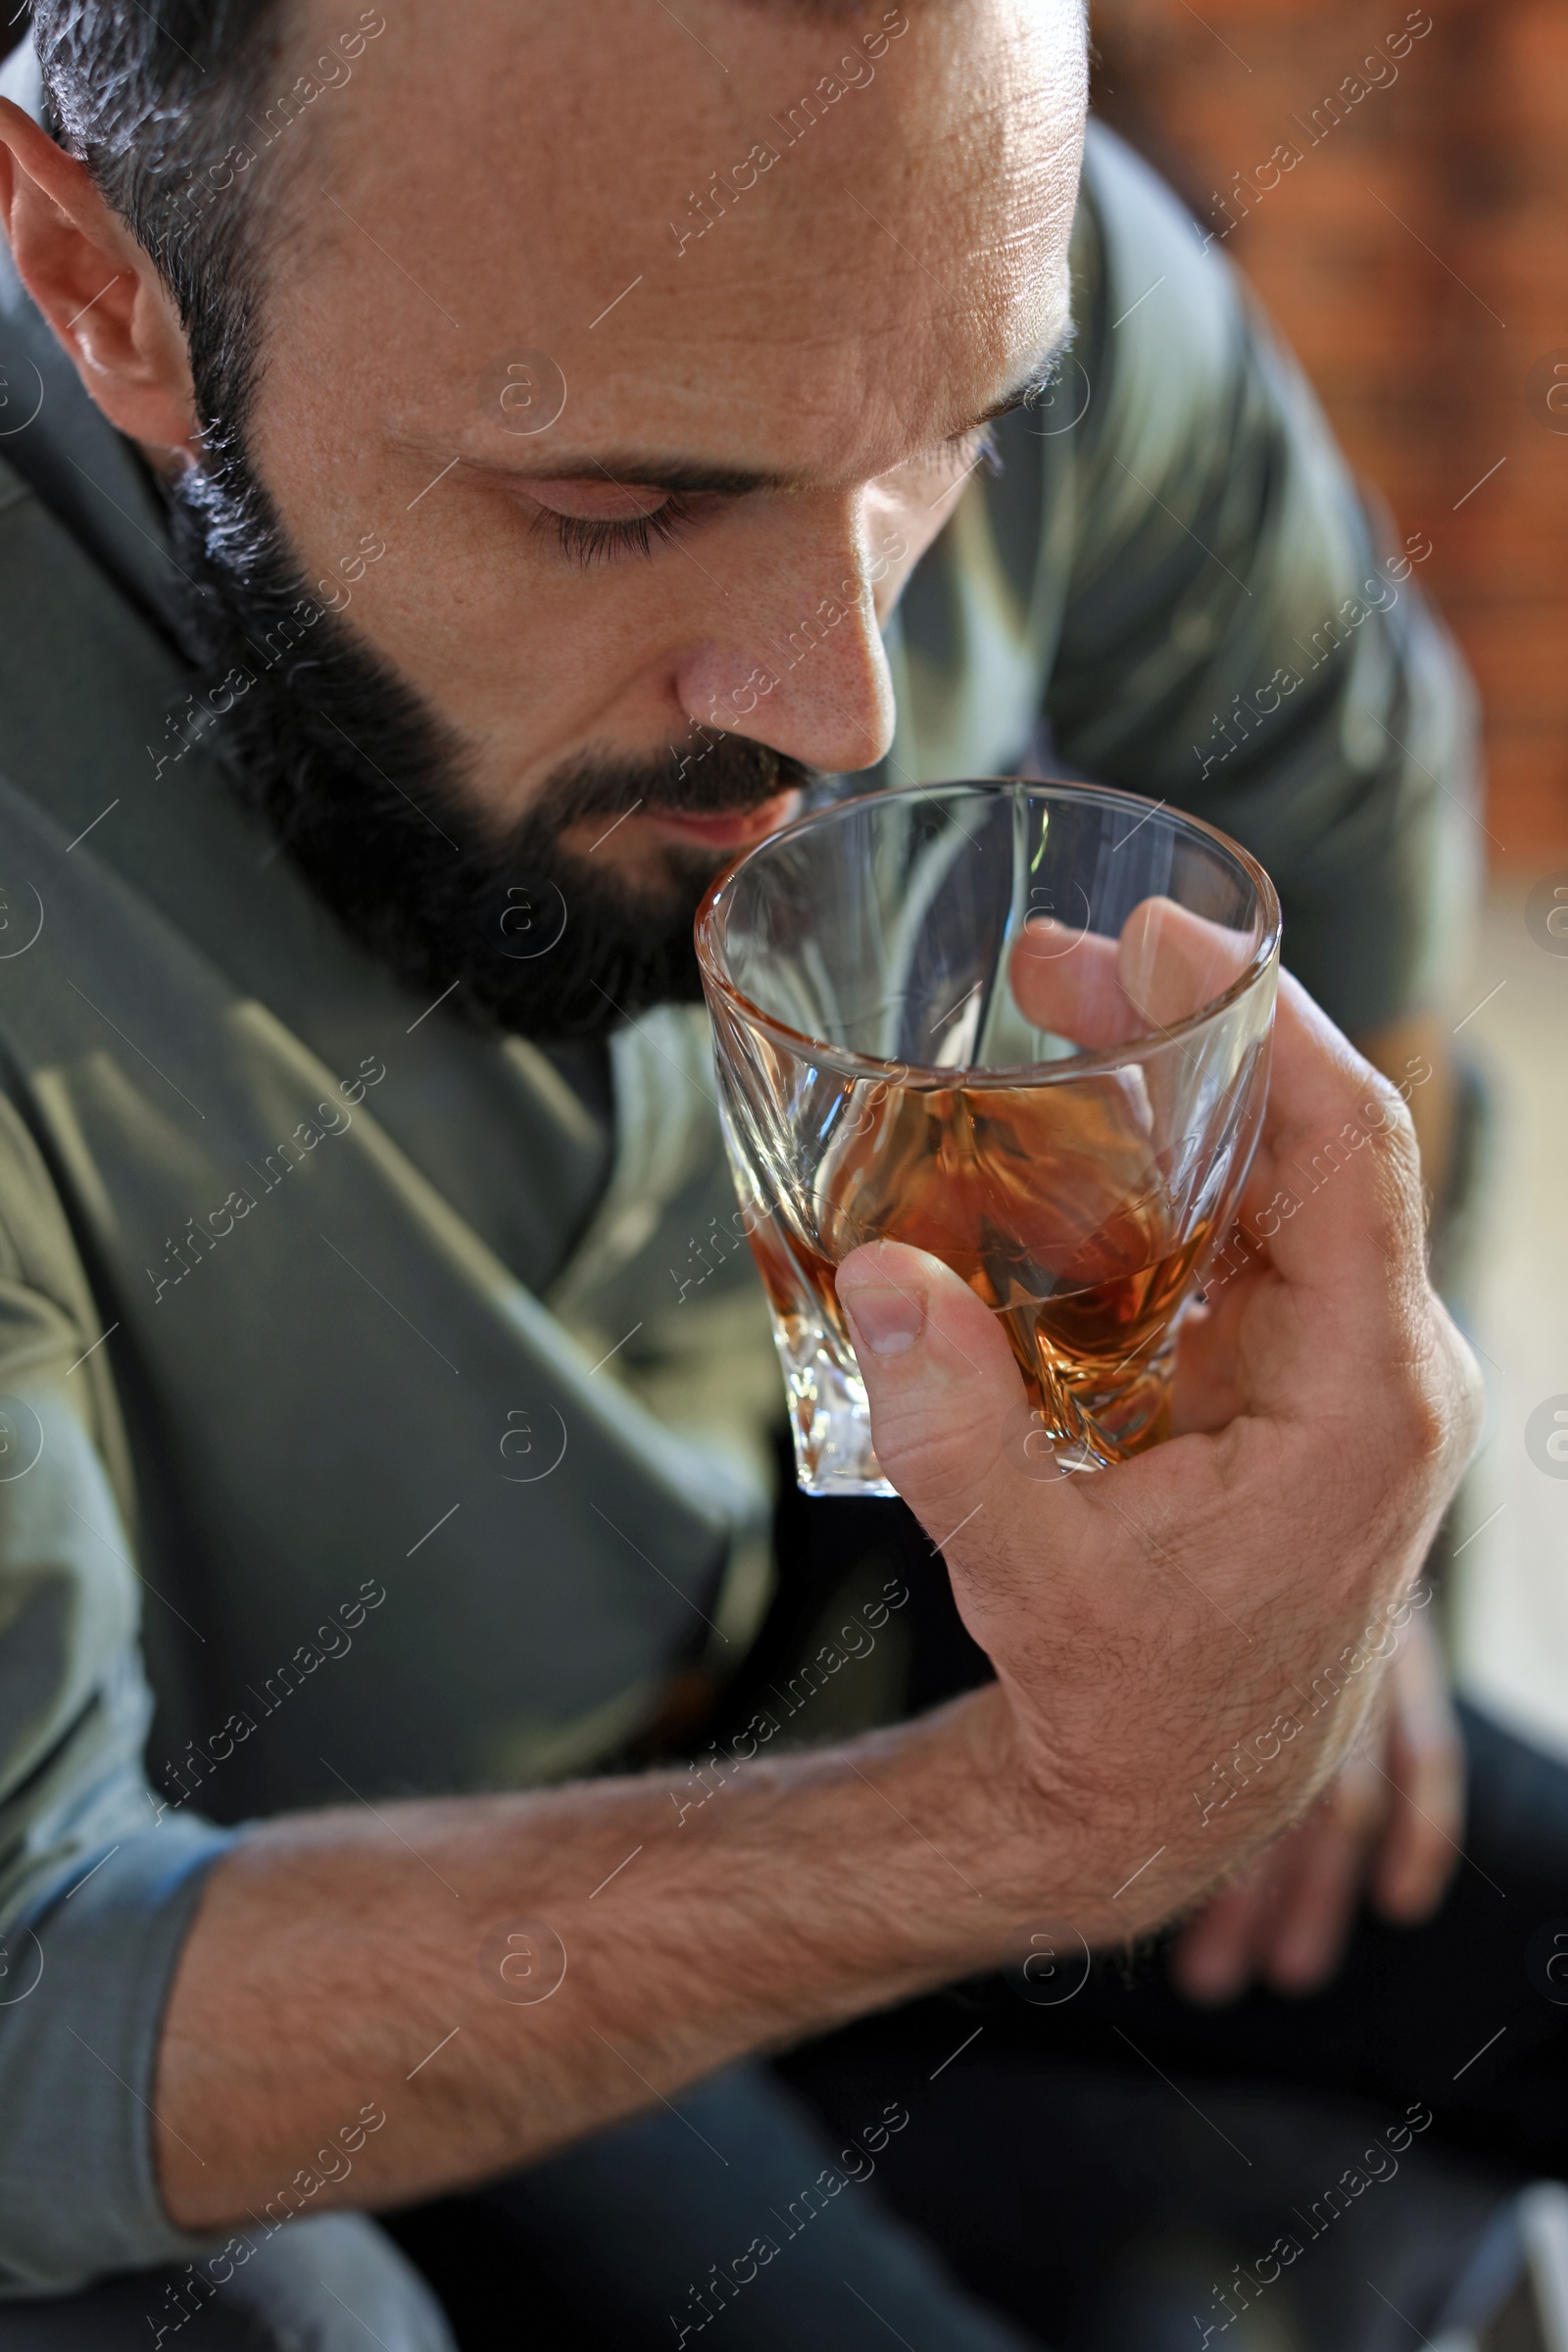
x=1081 y=1064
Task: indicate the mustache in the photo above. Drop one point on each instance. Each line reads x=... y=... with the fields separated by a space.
x=719 y=775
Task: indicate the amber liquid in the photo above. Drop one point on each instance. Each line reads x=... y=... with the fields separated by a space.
x=1050 y=1202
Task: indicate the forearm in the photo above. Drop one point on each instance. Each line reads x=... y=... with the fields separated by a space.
x=334 y=1952
x=351 y=1960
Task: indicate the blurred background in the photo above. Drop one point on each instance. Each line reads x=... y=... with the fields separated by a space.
x=1402 y=216
x=1413 y=253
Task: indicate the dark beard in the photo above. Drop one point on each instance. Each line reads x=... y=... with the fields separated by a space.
x=362 y=785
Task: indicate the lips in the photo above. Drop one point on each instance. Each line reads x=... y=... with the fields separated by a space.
x=730 y=828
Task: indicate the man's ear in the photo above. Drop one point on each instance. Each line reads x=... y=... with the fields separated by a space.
x=96 y=286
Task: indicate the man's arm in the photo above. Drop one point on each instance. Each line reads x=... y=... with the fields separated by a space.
x=1245 y=1578
x=95 y=1890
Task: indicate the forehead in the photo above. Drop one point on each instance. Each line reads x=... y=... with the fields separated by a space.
x=774 y=236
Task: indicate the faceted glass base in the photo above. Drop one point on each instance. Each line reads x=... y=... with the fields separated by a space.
x=830 y=1418
x=830 y=1415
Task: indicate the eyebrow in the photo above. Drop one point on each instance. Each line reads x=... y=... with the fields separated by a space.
x=644 y=469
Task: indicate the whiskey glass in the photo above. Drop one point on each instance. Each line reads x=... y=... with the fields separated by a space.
x=1023 y=1026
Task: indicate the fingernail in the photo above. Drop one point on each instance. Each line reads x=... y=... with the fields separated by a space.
x=1300 y=1964
x=1213 y=1981
x=889 y=1322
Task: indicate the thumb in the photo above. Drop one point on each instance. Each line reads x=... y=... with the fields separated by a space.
x=941 y=1378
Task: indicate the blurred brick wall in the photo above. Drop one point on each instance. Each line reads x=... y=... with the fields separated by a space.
x=1416 y=256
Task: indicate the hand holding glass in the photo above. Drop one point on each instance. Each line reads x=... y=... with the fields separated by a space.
x=1023 y=1026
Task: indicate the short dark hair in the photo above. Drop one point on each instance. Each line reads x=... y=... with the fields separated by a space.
x=154 y=98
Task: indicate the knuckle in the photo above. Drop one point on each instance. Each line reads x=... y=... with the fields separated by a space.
x=1434 y=1399
x=932 y=1456
x=1425 y=1421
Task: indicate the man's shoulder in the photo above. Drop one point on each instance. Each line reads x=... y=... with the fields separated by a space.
x=1156 y=304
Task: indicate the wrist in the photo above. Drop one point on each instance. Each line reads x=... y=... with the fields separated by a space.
x=1037 y=1840
x=1062 y=1847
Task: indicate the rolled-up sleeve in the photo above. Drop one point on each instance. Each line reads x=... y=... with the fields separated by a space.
x=98 y=1882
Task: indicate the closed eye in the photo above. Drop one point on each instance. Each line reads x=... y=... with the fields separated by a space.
x=590 y=540
x=960 y=456
x=597 y=521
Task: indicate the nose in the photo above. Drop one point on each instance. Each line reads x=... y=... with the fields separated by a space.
x=796 y=659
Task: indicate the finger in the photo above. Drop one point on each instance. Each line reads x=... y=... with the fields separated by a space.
x=1318 y=1077
x=942 y=1387
x=1335 y=1193
x=1210 y=1386
x=1339 y=1149
x=1172 y=962
x=1067 y=981
x=1211 y=1961
x=1328 y=1202
x=1421 y=1850
x=1344 y=1230
x=1306 y=1938
x=1165 y=965
x=1425 y=1763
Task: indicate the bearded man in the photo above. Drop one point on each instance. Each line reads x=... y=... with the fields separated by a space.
x=461 y=479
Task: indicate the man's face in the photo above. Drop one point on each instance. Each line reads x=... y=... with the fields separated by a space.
x=777 y=265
